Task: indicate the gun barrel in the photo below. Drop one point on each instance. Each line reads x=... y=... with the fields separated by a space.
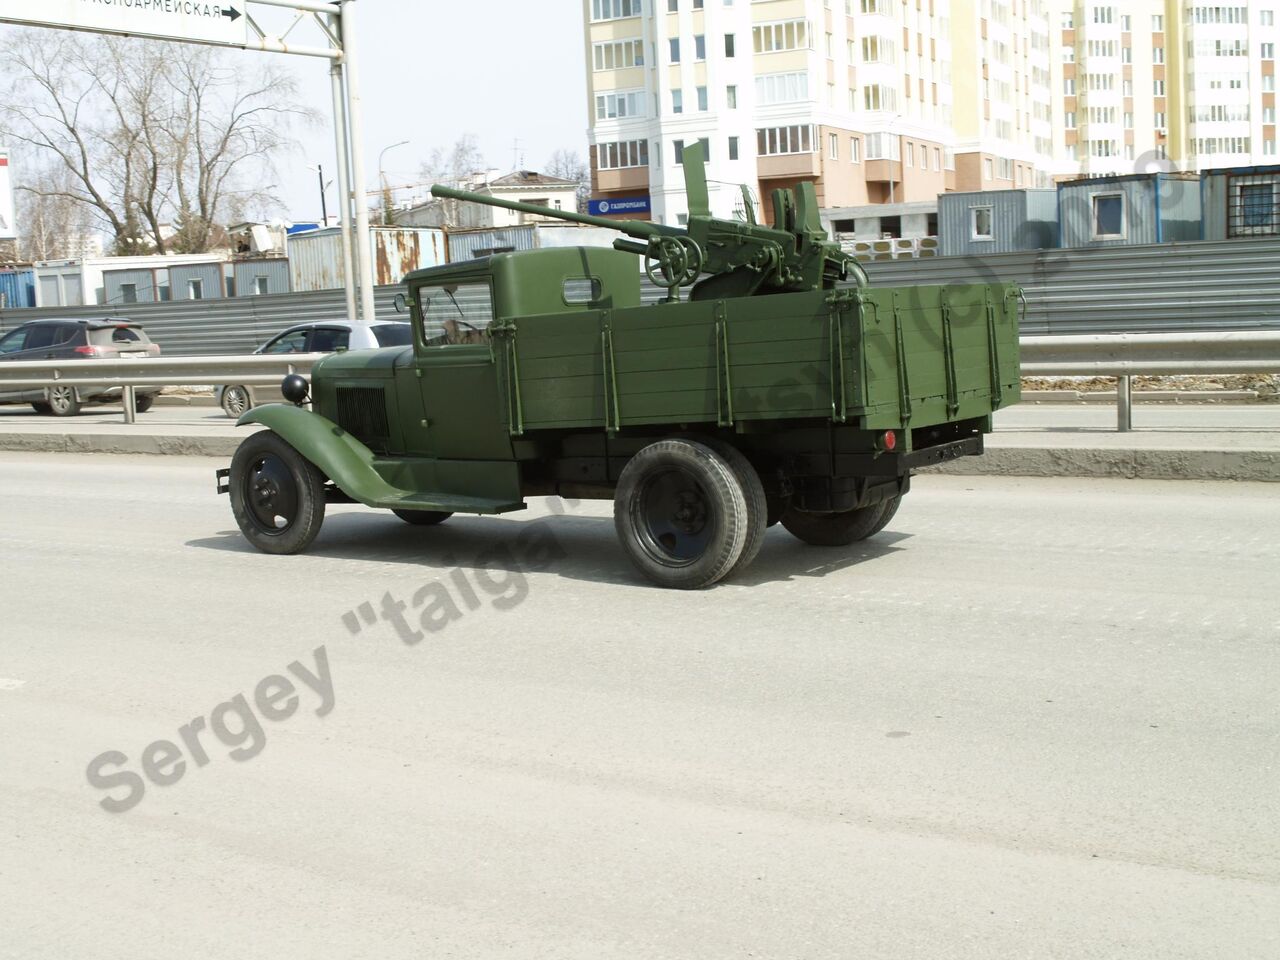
x=640 y=229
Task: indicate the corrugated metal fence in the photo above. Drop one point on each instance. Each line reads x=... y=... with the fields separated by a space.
x=1228 y=285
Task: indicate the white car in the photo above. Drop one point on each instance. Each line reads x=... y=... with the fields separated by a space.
x=326 y=336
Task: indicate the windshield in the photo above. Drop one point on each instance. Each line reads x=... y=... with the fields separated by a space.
x=393 y=334
x=455 y=313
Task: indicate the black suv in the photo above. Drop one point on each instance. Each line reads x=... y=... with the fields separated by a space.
x=74 y=340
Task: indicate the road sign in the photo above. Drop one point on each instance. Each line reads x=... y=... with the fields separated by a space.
x=201 y=21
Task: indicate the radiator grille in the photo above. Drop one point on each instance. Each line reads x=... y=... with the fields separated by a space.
x=362 y=412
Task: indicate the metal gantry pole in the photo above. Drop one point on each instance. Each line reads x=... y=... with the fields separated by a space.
x=355 y=132
x=349 y=279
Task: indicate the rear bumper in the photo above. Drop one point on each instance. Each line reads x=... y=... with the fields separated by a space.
x=943 y=453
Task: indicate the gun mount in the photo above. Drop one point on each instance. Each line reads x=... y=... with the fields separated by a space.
x=720 y=258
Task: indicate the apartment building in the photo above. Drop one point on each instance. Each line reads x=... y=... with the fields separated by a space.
x=859 y=96
x=1156 y=84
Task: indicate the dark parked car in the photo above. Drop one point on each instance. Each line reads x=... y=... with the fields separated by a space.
x=328 y=336
x=75 y=340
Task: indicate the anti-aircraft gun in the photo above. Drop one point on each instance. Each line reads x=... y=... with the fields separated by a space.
x=720 y=258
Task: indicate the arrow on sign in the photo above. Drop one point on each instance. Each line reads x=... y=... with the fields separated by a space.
x=232 y=14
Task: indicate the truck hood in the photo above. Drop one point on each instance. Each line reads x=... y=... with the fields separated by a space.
x=364 y=364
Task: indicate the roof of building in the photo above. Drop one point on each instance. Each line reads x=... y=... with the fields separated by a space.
x=530 y=178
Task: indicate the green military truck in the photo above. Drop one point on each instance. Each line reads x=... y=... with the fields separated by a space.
x=782 y=389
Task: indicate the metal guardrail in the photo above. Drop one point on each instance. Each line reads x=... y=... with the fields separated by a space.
x=1122 y=356
x=1129 y=355
x=253 y=371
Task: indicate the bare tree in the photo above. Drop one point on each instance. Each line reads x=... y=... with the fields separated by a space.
x=51 y=226
x=149 y=134
x=459 y=166
x=569 y=165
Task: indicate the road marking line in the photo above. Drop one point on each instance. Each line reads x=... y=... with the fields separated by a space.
x=11 y=684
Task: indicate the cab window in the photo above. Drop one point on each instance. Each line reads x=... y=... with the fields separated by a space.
x=455 y=313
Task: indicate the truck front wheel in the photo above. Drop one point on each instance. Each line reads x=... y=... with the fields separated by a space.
x=840 y=529
x=277 y=494
x=681 y=514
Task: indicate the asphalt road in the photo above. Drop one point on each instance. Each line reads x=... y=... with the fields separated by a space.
x=1036 y=718
x=1171 y=418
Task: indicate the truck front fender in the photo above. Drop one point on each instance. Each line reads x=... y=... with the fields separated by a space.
x=336 y=453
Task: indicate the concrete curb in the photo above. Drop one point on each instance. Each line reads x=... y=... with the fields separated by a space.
x=155 y=444
x=1120 y=463
x=1099 y=462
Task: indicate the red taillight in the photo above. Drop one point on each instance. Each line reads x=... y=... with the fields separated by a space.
x=889 y=441
x=89 y=351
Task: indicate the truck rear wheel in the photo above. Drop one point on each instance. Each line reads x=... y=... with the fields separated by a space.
x=681 y=514
x=277 y=494
x=840 y=529
x=754 y=495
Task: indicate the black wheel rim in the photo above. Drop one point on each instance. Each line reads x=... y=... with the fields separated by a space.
x=674 y=518
x=270 y=495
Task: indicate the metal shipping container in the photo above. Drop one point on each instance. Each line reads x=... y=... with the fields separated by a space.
x=1016 y=220
x=258 y=278
x=197 y=281
x=1241 y=202
x=131 y=286
x=470 y=244
x=1123 y=211
x=17 y=289
x=315 y=257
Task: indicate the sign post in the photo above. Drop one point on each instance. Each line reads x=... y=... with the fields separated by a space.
x=230 y=23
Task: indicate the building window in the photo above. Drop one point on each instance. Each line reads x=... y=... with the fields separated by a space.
x=785 y=35
x=883 y=146
x=911 y=154
x=128 y=293
x=1157 y=54
x=1069 y=119
x=980 y=223
x=700 y=47
x=989 y=169
x=733 y=148
x=777 y=141
x=677 y=101
x=679 y=151
x=616 y=56
x=1069 y=87
x=627 y=153
x=613 y=106
x=261 y=286
x=195 y=289
x=833 y=146
x=879 y=97
x=731 y=97
x=782 y=88
x=855 y=150
x=1108 y=216
x=675 y=49
x=615 y=9
x=1268 y=51
x=702 y=99
x=729 y=42
x=1157 y=23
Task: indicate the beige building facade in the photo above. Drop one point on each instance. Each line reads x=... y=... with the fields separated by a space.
x=855 y=95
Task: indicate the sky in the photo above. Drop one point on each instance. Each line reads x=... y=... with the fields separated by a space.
x=432 y=71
